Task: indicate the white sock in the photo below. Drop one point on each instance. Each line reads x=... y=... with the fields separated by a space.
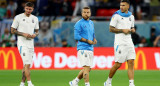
x=87 y=84
x=22 y=83
x=76 y=79
x=29 y=82
x=109 y=80
x=131 y=82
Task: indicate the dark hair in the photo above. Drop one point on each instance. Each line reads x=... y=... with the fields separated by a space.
x=153 y=29
x=127 y=1
x=86 y=7
x=29 y=4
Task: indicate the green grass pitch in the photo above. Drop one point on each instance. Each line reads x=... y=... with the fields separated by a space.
x=62 y=77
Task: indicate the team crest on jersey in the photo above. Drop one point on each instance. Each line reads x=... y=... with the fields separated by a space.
x=112 y=18
x=32 y=21
x=129 y=19
x=23 y=19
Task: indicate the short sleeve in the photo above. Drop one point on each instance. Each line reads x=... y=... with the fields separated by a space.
x=133 y=20
x=37 y=24
x=15 y=23
x=114 y=20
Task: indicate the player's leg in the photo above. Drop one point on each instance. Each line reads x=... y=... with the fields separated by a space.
x=131 y=72
x=27 y=74
x=78 y=78
x=23 y=78
x=86 y=75
x=88 y=58
x=120 y=56
x=75 y=81
x=28 y=55
x=130 y=60
x=113 y=70
x=23 y=73
x=27 y=71
x=80 y=75
x=84 y=58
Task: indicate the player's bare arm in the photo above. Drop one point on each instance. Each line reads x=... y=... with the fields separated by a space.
x=35 y=34
x=14 y=31
x=115 y=30
x=87 y=41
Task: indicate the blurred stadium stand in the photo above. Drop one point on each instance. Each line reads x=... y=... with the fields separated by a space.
x=65 y=30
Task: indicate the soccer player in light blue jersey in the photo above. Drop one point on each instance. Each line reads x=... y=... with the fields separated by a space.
x=84 y=34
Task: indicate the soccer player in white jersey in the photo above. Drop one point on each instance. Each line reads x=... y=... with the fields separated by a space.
x=26 y=26
x=122 y=24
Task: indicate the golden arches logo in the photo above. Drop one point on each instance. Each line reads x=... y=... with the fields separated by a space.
x=144 y=64
x=6 y=58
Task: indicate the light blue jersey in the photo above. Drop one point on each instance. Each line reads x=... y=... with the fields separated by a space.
x=84 y=29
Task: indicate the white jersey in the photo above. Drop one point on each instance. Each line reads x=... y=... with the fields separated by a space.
x=120 y=22
x=26 y=25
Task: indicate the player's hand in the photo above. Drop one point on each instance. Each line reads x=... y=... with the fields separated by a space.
x=33 y=36
x=95 y=41
x=90 y=42
x=126 y=31
x=26 y=35
x=133 y=30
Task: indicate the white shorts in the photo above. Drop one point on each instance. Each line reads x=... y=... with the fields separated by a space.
x=26 y=54
x=85 y=57
x=124 y=53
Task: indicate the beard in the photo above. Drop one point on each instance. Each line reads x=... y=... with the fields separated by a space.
x=85 y=17
x=27 y=13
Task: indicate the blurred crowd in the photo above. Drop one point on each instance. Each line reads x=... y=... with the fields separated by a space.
x=142 y=9
x=70 y=9
x=47 y=38
x=152 y=41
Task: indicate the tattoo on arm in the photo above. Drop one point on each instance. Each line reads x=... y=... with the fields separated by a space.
x=14 y=31
x=115 y=30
